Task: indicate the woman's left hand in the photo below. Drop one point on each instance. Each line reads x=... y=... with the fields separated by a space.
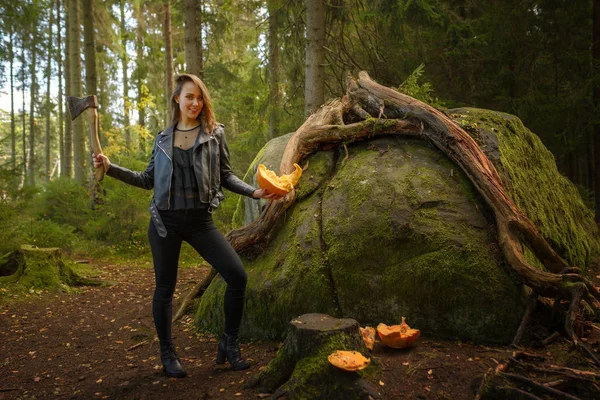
x=265 y=194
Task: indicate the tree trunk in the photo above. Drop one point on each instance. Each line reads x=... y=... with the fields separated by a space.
x=124 y=62
x=91 y=86
x=168 y=61
x=68 y=164
x=301 y=367
x=105 y=123
x=596 y=64
x=274 y=90
x=48 y=78
x=314 y=86
x=59 y=62
x=13 y=133
x=32 y=101
x=141 y=69
x=40 y=268
x=24 y=132
x=193 y=37
x=91 y=83
x=79 y=153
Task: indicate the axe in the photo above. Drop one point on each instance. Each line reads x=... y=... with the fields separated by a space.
x=77 y=106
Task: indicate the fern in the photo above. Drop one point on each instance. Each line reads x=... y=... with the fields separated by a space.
x=423 y=91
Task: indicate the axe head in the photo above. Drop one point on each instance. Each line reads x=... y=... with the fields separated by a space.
x=78 y=105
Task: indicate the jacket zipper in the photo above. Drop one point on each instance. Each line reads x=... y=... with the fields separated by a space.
x=170 y=177
x=210 y=166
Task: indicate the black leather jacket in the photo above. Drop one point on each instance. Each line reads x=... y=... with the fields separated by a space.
x=211 y=165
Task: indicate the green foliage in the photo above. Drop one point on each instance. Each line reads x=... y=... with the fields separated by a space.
x=120 y=223
x=531 y=59
x=63 y=201
x=10 y=234
x=423 y=91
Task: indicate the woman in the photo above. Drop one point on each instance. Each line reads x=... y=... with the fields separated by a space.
x=189 y=164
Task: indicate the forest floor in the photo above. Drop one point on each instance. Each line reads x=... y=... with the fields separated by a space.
x=82 y=345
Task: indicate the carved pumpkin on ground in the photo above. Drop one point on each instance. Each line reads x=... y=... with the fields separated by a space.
x=398 y=336
x=348 y=360
x=269 y=180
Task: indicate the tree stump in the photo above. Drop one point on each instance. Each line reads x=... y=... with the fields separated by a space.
x=41 y=268
x=301 y=369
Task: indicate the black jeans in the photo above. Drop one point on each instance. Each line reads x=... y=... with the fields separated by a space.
x=197 y=228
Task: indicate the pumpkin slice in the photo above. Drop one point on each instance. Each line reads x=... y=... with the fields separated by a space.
x=398 y=336
x=348 y=360
x=281 y=185
x=368 y=335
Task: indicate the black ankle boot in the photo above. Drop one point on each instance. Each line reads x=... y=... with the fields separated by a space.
x=229 y=349
x=171 y=365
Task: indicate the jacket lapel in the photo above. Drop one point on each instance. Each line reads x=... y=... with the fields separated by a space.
x=165 y=142
x=203 y=137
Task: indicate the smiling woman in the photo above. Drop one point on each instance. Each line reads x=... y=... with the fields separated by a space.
x=189 y=99
x=189 y=164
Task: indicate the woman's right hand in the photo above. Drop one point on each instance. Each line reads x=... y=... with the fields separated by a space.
x=101 y=160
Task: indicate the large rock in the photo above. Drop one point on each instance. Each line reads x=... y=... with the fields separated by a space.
x=396 y=229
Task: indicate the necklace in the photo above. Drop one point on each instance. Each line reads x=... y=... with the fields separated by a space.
x=187 y=130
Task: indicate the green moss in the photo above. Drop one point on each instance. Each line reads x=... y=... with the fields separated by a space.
x=401 y=242
x=282 y=282
x=320 y=166
x=472 y=129
x=312 y=376
x=36 y=268
x=529 y=173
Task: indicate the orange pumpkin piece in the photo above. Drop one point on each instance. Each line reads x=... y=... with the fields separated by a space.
x=368 y=335
x=348 y=360
x=281 y=185
x=398 y=336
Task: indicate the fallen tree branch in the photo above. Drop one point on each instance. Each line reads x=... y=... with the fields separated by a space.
x=196 y=291
x=557 y=394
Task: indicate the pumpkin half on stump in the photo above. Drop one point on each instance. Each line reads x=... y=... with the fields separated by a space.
x=348 y=360
x=281 y=185
x=398 y=336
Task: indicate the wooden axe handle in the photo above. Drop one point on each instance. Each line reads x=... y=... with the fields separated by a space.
x=95 y=140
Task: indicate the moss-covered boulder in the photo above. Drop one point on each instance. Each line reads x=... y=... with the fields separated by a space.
x=394 y=229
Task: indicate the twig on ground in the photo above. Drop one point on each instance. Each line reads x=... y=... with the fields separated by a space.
x=135 y=346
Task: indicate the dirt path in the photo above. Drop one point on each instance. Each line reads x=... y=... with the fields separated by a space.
x=79 y=346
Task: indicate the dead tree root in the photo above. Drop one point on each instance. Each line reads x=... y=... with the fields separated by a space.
x=528 y=374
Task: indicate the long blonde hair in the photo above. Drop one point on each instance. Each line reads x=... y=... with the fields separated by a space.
x=206 y=116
